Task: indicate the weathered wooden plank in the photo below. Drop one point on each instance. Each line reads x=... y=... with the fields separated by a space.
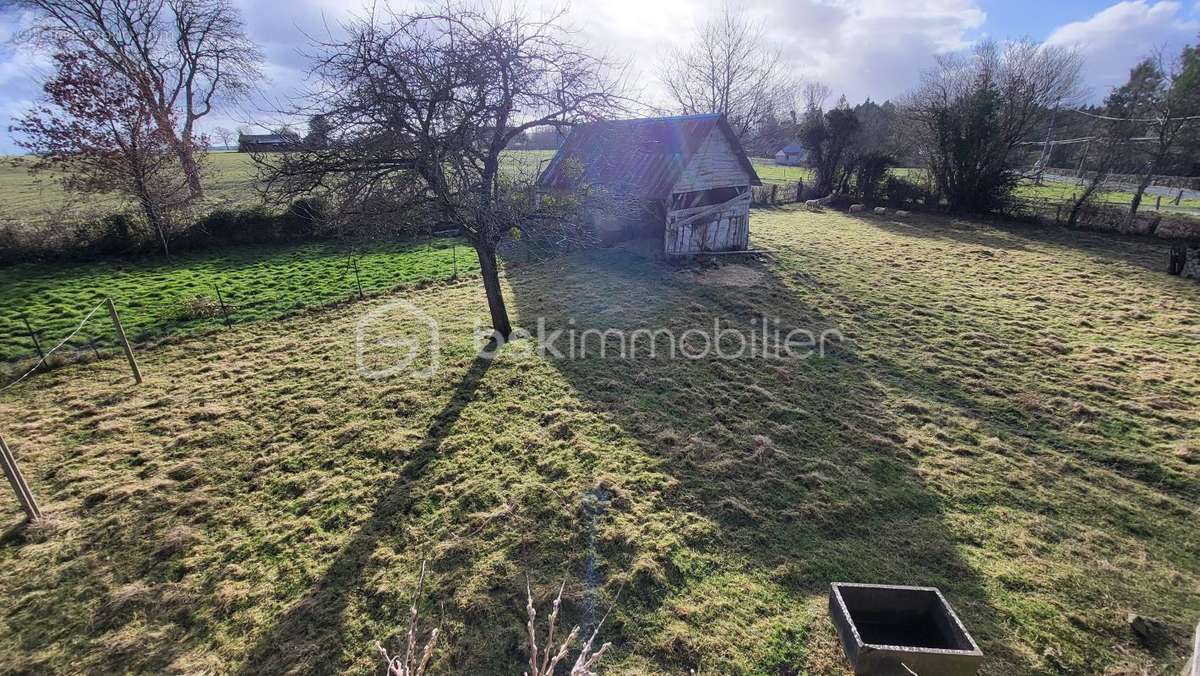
x=715 y=165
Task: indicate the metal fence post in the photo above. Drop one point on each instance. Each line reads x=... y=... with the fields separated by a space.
x=37 y=344
x=224 y=310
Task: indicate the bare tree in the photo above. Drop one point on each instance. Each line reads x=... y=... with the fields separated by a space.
x=419 y=106
x=814 y=95
x=727 y=69
x=178 y=56
x=970 y=115
x=98 y=137
x=1164 y=99
x=226 y=136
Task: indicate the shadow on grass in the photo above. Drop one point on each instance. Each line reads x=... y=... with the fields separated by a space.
x=1144 y=251
x=310 y=636
x=796 y=463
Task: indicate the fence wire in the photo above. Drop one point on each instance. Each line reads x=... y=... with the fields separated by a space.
x=62 y=342
x=261 y=291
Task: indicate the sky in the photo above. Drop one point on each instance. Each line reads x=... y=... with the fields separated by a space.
x=859 y=48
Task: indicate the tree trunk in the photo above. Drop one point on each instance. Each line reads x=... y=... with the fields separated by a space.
x=153 y=217
x=183 y=150
x=1087 y=193
x=491 y=286
x=156 y=223
x=1137 y=199
x=191 y=169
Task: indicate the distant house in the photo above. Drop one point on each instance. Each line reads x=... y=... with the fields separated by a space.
x=791 y=155
x=267 y=143
x=687 y=176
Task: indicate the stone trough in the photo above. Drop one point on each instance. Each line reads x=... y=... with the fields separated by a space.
x=891 y=630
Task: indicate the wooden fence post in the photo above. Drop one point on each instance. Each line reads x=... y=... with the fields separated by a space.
x=800 y=190
x=774 y=189
x=17 y=481
x=454 y=257
x=1158 y=202
x=116 y=320
x=1178 y=198
x=1177 y=259
x=37 y=344
x=224 y=310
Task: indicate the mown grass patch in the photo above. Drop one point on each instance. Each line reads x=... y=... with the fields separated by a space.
x=1010 y=417
x=157 y=296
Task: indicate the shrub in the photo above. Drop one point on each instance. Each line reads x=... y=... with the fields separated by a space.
x=255 y=225
x=117 y=233
x=305 y=217
x=898 y=192
x=220 y=226
x=195 y=307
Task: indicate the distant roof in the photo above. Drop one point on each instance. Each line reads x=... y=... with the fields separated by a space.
x=792 y=148
x=641 y=158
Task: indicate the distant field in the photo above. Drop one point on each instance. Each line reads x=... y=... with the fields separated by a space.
x=230 y=181
x=257 y=282
x=770 y=172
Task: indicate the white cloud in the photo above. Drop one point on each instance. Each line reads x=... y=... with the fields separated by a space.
x=861 y=48
x=1114 y=39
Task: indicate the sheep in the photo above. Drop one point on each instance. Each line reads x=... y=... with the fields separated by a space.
x=880 y=211
x=812 y=205
x=855 y=208
x=900 y=213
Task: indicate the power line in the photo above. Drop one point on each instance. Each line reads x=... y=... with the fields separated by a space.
x=1087 y=139
x=1134 y=119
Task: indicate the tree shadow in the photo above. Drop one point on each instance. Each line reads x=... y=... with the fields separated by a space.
x=998 y=233
x=796 y=463
x=311 y=635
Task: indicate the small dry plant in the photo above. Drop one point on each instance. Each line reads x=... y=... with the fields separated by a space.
x=409 y=664
x=587 y=660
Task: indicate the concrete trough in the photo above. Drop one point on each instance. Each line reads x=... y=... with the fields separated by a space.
x=889 y=630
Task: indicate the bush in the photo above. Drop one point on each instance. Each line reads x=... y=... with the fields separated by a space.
x=220 y=226
x=117 y=234
x=195 y=307
x=227 y=226
x=900 y=193
x=305 y=217
x=255 y=225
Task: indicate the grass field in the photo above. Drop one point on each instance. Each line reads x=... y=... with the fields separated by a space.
x=1011 y=417
x=230 y=182
x=770 y=172
x=157 y=297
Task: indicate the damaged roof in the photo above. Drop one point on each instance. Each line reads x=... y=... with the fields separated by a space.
x=640 y=158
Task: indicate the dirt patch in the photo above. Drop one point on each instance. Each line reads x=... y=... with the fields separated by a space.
x=732 y=274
